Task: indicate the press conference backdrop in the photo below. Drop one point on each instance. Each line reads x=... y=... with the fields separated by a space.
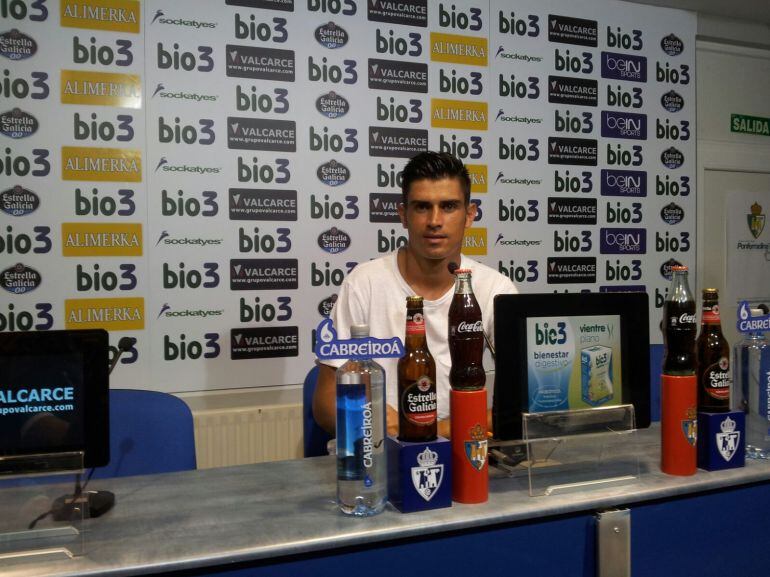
x=203 y=175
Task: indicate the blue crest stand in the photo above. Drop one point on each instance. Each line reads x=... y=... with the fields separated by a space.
x=721 y=440
x=419 y=474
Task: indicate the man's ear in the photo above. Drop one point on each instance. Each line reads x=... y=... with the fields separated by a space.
x=402 y=213
x=470 y=214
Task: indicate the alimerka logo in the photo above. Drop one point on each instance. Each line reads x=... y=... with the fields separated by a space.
x=461 y=114
x=101 y=89
x=115 y=15
x=81 y=239
x=455 y=49
x=101 y=164
x=115 y=314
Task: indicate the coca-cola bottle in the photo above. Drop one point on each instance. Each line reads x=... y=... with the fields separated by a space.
x=679 y=326
x=466 y=336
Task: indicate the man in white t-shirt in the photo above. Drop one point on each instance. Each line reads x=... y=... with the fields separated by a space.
x=435 y=210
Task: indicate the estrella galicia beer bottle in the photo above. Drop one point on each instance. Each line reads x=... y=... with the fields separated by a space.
x=417 y=399
x=713 y=358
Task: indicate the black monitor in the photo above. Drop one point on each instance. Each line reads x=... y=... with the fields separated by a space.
x=54 y=394
x=567 y=351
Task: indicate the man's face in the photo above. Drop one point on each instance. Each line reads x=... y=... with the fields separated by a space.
x=436 y=217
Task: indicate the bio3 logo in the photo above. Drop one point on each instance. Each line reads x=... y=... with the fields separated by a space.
x=36 y=11
x=186 y=205
x=619 y=96
x=577 y=123
x=32 y=85
x=545 y=334
x=199 y=59
x=623 y=272
x=91 y=52
x=38 y=242
x=394 y=111
x=331 y=209
x=95 y=129
x=460 y=147
x=183 y=348
x=262 y=31
x=571 y=242
x=277 y=171
x=254 y=101
x=332 y=73
x=411 y=45
x=567 y=62
x=183 y=277
x=344 y=7
x=527 y=272
x=672 y=187
x=277 y=310
x=528 y=25
x=23 y=319
x=22 y=166
x=518 y=212
x=326 y=275
x=93 y=277
x=390 y=242
x=527 y=88
x=568 y=182
x=455 y=83
x=619 y=38
x=258 y=241
x=176 y=132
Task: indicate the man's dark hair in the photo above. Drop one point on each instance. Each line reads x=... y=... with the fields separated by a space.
x=435 y=166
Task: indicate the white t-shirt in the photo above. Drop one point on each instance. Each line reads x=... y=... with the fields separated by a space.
x=374 y=293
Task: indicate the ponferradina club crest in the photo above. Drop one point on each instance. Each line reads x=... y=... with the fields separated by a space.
x=428 y=475
x=756 y=220
x=476 y=448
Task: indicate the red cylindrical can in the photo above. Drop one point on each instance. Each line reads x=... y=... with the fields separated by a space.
x=679 y=424
x=470 y=469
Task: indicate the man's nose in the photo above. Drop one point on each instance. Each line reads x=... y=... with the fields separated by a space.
x=436 y=217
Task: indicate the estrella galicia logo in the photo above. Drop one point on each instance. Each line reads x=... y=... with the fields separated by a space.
x=333 y=173
x=672 y=158
x=573 y=30
x=624 y=125
x=264 y=343
x=325 y=306
x=568 y=210
x=334 y=240
x=398 y=142
x=623 y=241
x=331 y=36
x=672 y=213
x=575 y=151
x=20 y=279
x=383 y=207
x=406 y=12
x=623 y=183
x=282 y=5
x=332 y=105
x=15 y=45
x=666 y=268
x=18 y=201
x=624 y=67
x=264 y=274
x=577 y=91
x=569 y=270
x=672 y=45
x=18 y=124
x=261 y=134
x=397 y=75
x=264 y=204
x=672 y=101
x=260 y=63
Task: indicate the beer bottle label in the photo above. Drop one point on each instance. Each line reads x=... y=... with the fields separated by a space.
x=711 y=314
x=419 y=402
x=716 y=380
x=415 y=324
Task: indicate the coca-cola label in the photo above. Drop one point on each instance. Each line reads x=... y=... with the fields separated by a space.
x=419 y=402
x=464 y=327
x=683 y=319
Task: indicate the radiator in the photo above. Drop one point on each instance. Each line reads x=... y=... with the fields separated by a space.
x=240 y=436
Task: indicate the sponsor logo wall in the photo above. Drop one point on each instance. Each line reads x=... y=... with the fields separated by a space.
x=203 y=176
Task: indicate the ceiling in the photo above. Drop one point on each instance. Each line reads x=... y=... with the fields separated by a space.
x=752 y=10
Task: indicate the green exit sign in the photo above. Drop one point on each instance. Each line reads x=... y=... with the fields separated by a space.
x=749 y=124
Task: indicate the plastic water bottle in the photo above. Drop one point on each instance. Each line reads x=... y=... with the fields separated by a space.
x=361 y=460
x=752 y=389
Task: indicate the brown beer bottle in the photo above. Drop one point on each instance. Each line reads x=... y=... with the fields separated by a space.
x=713 y=358
x=417 y=399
